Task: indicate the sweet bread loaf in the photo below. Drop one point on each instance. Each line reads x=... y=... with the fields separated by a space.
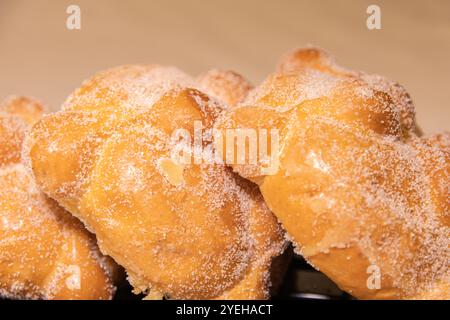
x=45 y=253
x=361 y=194
x=187 y=230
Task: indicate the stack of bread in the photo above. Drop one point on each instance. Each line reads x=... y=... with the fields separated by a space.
x=361 y=194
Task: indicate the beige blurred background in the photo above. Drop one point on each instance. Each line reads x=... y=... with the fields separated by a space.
x=39 y=56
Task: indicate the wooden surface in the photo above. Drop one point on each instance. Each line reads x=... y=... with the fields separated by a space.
x=40 y=57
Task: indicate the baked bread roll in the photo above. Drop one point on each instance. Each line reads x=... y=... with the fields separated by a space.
x=181 y=230
x=227 y=86
x=363 y=197
x=45 y=253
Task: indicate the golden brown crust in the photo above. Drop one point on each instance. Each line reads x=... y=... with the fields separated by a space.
x=355 y=187
x=28 y=109
x=225 y=85
x=44 y=252
x=180 y=230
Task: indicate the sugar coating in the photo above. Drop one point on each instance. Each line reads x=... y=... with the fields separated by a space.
x=180 y=231
x=44 y=252
x=224 y=85
x=357 y=185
